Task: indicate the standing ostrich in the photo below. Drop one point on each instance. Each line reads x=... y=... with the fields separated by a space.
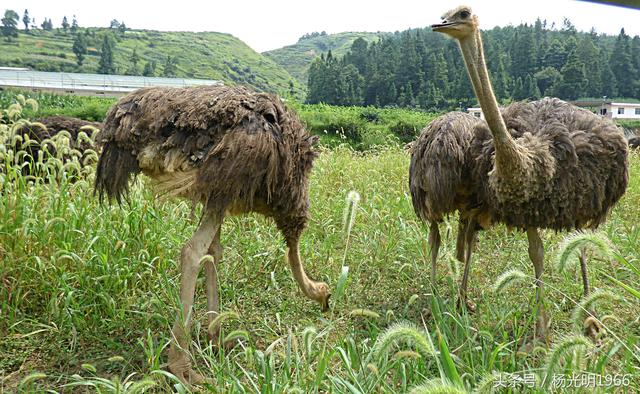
x=543 y=164
x=440 y=184
x=234 y=151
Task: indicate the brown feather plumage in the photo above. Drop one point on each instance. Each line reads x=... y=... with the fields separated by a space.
x=229 y=148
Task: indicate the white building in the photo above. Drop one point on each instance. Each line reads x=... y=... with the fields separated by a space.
x=476 y=111
x=621 y=110
x=609 y=109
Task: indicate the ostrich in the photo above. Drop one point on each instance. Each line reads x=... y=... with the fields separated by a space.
x=231 y=149
x=440 y=184
x=543 y=164
x=45 y=128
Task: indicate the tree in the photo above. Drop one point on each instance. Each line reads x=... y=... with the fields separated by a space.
x=358 y=54
x=114 y=24
x=106 y=65
x=65 y=24
x=546 y=79
x=588 y=53
x=47 y=24
x=74 y=25
x=555 y=56
x=150 y=69
x=80 y=47
x=26 y=20
x=122 y=28
x=9 y=25
x=622 y=65
x=573 y=78
x=133 y=68
x=170 y=66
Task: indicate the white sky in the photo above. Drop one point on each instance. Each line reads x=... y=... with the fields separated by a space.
x=270 y=24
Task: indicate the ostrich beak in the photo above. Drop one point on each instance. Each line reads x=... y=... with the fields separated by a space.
x=443 y=26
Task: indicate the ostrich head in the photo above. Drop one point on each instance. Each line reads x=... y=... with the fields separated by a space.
x=458 y=23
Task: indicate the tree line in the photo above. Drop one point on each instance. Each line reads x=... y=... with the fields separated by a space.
x=84 y=38
x=422 y=69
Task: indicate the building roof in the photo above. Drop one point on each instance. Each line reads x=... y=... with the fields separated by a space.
x=600 y=103
x=89 y=83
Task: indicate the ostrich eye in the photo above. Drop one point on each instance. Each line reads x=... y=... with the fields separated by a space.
x=270 y=118
x=464 y=14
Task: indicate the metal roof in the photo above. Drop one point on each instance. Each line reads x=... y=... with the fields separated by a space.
x=90 y=84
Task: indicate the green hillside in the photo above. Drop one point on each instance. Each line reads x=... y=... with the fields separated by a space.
x=296 y=58
x=205 y=55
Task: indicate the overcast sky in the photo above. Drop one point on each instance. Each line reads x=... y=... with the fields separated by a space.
x=270 y=24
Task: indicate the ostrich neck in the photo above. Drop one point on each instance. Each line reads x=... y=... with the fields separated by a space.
x=473 y=54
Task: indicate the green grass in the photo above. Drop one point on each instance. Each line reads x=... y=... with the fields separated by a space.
x=297 y=58
x=88 y=293
x=361 y=127
x=206 y=55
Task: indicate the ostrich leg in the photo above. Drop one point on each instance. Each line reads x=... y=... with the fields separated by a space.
x=210 y=270
x=536 y=254
x=317 y=291
x=460 y=244
x=470 y=237
x=592 y=326
x=434 y=246
x=192 y=252
x=583 y=268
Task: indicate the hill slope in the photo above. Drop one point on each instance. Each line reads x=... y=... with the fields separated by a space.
x=296 y=58
x=205 y=55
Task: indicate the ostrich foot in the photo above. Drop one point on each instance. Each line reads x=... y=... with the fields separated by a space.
x=219 y=343
x=466 y=303
x=180 y=366
x=541 y=329
x=593 y=329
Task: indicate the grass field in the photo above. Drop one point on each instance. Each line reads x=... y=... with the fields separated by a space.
x=88 y=294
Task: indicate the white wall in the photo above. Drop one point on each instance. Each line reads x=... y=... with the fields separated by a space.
x=629 y=112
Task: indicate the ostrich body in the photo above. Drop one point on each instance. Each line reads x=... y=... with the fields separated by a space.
x=440 y=181
x=544 y=164
x=45 y=128
x=234 y=151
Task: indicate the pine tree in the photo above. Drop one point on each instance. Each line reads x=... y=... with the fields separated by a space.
x=609 y=81
x=74 y=25
x=588 y=53
x=531 y=89
x=26 y=20
x=106 y=64
x=622 y=65
x=170 y=66
x=555 y=56
x=358 y=54
x=547 y=78
x=635 y=58
x=65 y=24
x=150 y=69
x=573 y=78
x=80 y=47
x=133 y=68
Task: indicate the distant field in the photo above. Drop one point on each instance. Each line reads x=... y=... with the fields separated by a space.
x=206 y=55
x=88 y=293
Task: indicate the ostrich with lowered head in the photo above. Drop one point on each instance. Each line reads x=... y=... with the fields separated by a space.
x=234 y=151
x=543 y=164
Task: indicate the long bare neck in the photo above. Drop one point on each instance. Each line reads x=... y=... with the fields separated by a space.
x=473 y=55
